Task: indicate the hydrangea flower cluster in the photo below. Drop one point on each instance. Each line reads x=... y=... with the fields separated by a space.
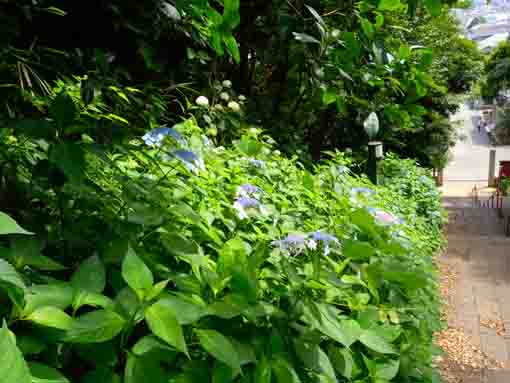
x=296 y=243
x=247 y=200
x=156 y=137
x=385 y=218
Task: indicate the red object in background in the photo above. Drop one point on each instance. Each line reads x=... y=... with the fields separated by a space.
x=504 y=169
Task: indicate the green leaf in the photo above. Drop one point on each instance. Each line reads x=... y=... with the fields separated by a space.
x=26 y=251
x=101 y=375
x=434 y=7
x=344 y=362
x=136 y=274
x=220 y=347
x=186 y=310
x=11 y=282
x=305 y=38
x=284 y=372
x=62 y=110
x=262 y=371
x=86 y=298
x=329 y=96
x=222 y=373
x=144 y=369
x=344 y=331
x=95 y=327
x=56 y=295
x=387 y=370
x=70 y=158
x=98 y=354
x=45 y=374
x=232 y=47
x=358 y=250
x=163 y=323
x=10 y=226
x=90 y=276
x=51 y=317
x=156 y=290
x=30 y=345
x=13 y=367
x=249 y=146
x=151 y=345
x=376 y=343
x=368 y=27
x=315 y=359
x=35 y=129
x=389 y=5
x=231 y=16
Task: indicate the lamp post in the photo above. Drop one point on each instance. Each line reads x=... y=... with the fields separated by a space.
x=375 y=148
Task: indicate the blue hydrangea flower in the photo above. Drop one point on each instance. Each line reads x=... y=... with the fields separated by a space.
x=324 y=238
x=342 y=169
x=244 y=204
x=294 y=243
x=190 y=160
x=361 y=190
x=156 y=136
x=248 y=190
x=257 y=163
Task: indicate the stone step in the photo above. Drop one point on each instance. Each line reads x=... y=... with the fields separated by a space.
x=496 y=376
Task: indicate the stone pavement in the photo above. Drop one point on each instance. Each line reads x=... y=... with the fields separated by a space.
x=479 y=252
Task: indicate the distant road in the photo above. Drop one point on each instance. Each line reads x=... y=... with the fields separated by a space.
x=470 y=160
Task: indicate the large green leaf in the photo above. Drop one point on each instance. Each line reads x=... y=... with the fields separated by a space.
x=376 y=343
x=434 y=6
x=136 y=274
x=13 y=368
x=231 y=16
x=95 y=327
x=35 y=128
x=142 y=369
x=358 y=250
x=343 y=362
x=163 y=322
x=324 y=318
x=45 y=374
x=387 y=370
x=232 y=47
x=315 y=359
x=90 y=276
x=186 y=310
x=70 y=158
x=56 y=295
x=220 y=347
x=10 y=226
x=101 y=375
x=11 y=282
x=62 y=110
x=26 y=251
x=284 y=372
x=389 y=5
x=51 y=317
x=262 y=371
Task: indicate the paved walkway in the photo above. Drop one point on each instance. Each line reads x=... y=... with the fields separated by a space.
x=479 y=253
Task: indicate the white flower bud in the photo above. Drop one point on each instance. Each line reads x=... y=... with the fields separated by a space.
x=241 y=98
x=335 y=33
x=202 y=101
x=224 y=96
x=207 y=119
x=218 y=107
x=234 y=106
x=227 y=83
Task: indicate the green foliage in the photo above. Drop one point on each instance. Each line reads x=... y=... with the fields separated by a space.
x=497 y=71
x=211 y=286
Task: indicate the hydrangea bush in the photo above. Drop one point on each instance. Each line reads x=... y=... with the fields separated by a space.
x=175 y=260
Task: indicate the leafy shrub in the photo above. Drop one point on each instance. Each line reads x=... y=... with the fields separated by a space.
x=168 y=258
